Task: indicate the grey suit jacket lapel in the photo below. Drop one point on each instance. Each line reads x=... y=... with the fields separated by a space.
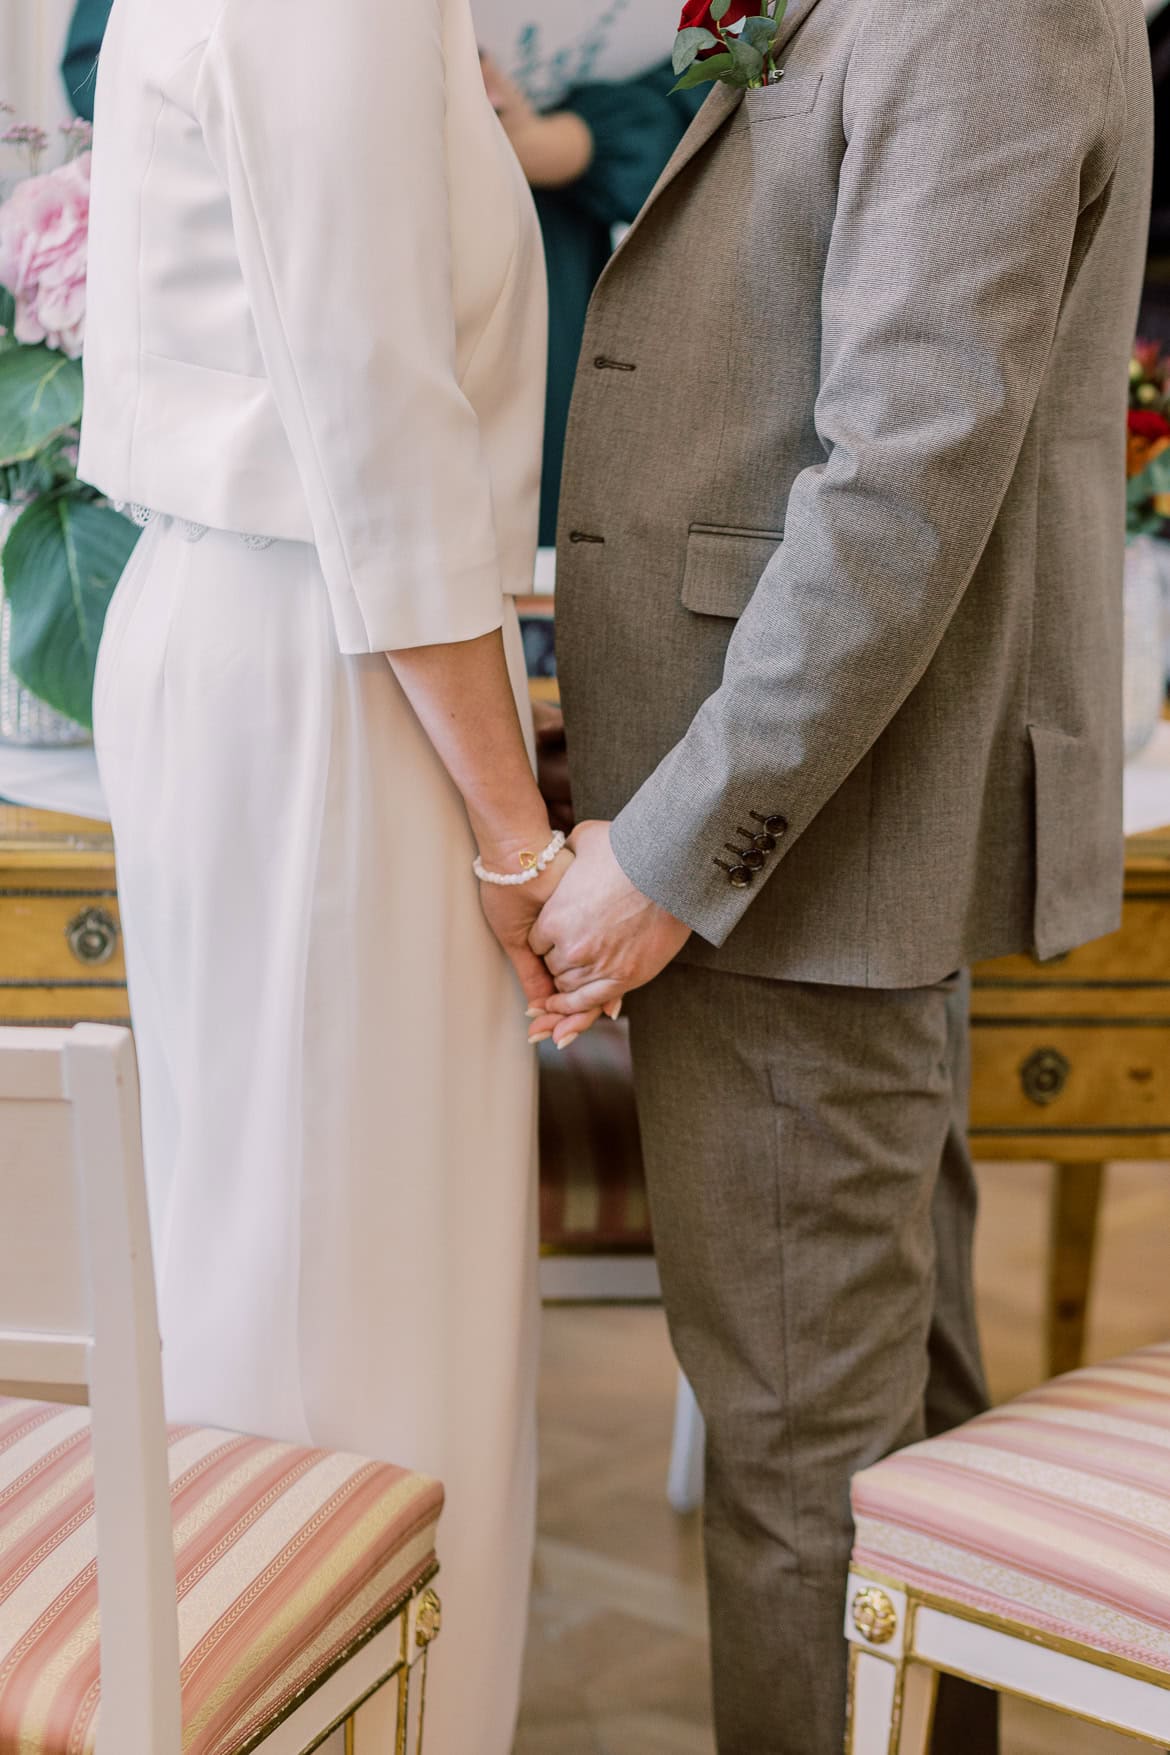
x=718 y=109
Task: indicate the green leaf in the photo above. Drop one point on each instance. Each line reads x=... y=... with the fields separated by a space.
x=781 y=9
x=748 y=61
x=7 y=319
x=720 y=9
x=760 y=33
x=704 y=72
x=62 y=560
x=690 y=43
x=40 y=396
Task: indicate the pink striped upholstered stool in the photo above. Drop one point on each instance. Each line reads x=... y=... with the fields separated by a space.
x=1029 y=1551
x=289 y=1562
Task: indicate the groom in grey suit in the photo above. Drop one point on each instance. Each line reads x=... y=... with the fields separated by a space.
x=839 y=629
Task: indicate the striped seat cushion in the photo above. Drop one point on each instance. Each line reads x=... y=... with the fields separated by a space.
x=287 y=1559
x=592 y=1187
x=1052 y=1511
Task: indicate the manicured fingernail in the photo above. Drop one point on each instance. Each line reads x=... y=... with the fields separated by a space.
x=534 y=1011
x=614 y=1011
x=545 y=1036
x=568 y=1041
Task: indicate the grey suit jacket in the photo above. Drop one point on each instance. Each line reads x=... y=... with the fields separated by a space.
x=842 y=521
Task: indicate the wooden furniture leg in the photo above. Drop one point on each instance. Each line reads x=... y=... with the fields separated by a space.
x=1075 y=1205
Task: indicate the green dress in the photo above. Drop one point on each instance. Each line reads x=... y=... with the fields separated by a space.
x=79 y=68
x=636 y=125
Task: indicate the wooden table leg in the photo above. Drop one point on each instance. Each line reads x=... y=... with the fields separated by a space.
x=1076 y=1199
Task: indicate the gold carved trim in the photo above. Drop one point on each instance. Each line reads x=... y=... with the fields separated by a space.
x=874 y=1616
x=1089 y=1654
x=428 y=1620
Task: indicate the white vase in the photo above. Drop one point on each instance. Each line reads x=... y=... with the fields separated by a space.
x=1145 y=667
x=24 y=718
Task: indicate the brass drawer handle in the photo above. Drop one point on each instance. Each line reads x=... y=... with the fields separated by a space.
x=1044 y=1075
x=93 y=936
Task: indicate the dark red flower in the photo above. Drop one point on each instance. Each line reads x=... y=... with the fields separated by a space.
x=697 y=15
x=1147 y=423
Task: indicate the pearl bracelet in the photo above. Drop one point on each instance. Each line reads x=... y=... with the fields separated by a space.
x=532 y=865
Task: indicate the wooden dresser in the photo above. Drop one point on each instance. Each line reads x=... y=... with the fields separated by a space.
x=60 y=938
x=1071 y=1058
x=1071 y=1064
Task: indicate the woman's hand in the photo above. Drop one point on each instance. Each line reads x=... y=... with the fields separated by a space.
x=553 y=150
x=512 y=911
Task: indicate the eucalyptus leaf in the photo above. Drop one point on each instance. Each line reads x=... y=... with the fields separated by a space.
x=748 y=60
x=705 y=72
x=720 y=9
x=690 y=43
x=760 y=33
x=40 y=397
x=63 y=558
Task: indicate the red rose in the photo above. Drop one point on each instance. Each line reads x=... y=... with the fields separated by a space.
x=697 y=16
x=1147 y=423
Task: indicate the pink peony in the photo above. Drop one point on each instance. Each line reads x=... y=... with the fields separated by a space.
x=44 y=227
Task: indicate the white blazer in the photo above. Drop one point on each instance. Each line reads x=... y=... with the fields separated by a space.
x=317 y=301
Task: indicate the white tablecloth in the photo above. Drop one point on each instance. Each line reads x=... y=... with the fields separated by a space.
x=67 y=780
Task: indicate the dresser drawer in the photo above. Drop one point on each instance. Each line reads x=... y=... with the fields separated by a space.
x=1085 y=1078
x=50 y=937
x=64 y=1005
x=1138 y=952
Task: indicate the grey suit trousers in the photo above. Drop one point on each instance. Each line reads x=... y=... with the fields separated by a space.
x=813 y=1203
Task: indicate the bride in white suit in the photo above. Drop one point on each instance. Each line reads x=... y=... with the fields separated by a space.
x=315 y=361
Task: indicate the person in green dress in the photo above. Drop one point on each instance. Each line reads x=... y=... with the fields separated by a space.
x=79 y=67
x=591 y=163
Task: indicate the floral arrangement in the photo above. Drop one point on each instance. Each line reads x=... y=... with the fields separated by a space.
x=1147 y=461
x=65 y=548
x=730 y=41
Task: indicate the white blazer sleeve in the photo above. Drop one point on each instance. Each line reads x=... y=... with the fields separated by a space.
x=328 y=124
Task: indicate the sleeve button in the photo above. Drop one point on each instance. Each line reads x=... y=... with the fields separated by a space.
x=739 y=875
x=773 y=825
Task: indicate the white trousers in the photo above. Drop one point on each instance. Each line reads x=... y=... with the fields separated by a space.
x=338 y=1097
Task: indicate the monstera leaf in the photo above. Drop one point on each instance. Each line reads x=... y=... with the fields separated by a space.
x=40 y=397
x=63 y=558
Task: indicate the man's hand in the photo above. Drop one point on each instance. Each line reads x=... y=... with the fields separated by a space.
x=599 y=936
x=553 y=763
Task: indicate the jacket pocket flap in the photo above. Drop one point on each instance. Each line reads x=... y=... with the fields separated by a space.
x=794 y=95
x=724 y=567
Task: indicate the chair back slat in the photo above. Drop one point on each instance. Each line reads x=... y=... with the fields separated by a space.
x=77 y=1308
x=44 y=1287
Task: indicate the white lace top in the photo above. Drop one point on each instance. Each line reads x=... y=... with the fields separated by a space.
x=144 y=515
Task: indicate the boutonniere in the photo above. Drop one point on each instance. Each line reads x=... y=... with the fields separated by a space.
x=709 y=47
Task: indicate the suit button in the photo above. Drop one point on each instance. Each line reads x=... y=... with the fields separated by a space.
x=762 y=842
x=740 y=874
x=773 y=825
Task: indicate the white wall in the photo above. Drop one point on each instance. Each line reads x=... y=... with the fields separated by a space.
x=32 y=36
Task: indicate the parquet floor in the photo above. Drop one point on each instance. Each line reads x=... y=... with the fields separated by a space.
x=617 y=1650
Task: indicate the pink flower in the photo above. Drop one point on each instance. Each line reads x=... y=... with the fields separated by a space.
x=44 y=228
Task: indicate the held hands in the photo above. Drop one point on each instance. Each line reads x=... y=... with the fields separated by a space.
x=597 y=937
x=512 y=910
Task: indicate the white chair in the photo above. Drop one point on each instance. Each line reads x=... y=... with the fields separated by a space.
x=1028 y=1551
x=253 y=1595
